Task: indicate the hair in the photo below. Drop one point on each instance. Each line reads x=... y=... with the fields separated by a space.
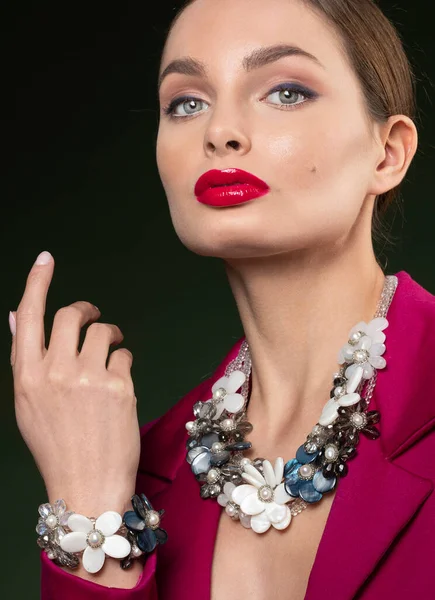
x=377 y=55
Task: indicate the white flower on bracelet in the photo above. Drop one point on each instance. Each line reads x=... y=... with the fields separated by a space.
x=96 y=538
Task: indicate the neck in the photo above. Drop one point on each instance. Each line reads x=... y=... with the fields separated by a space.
x=296 y=313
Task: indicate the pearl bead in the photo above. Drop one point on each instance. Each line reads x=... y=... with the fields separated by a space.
x=227 y=424
x=213 y=476
x=306 y=471
x=360 y=356
x=189 y=425
x=51 y=521
x=95 y=539
x=136 y=551
x=355 y=337
x=266 y=493
x=231 y=510
x=245 y=461
x=359 y=420
x=217 y=447
x=331 y=452
x=219 y=394
x=50 y=554
x=153 y=518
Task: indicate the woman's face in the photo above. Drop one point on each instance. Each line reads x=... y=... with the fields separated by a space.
x=299 y=124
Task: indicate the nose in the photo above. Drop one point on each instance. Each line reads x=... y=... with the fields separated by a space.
x=222 y=140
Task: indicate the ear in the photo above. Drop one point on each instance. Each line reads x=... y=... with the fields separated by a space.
x=398 y=140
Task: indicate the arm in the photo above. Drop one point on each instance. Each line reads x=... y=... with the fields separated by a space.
x=76 y=410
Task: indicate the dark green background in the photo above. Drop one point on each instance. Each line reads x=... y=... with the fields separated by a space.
x=80 y=179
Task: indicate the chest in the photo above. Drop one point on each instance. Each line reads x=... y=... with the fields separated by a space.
x=246 y=564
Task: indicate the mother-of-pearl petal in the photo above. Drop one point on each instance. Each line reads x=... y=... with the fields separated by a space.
x=281 y=496
x=252 y=480
x=109 y=522
x=285 y=522
x=260 y=523
x=255 y=473
x=78 y=522
x=354 y=381
x=329 y=413
x=279 y=469
x=235 y=381
x=116 y=546
x=233 y=403
x=74 y=542
x=269 y=474
x=378 y=362
x=377 y=324
x=241 y=492
x=276 y=513
x=377 y=349
x=228 y=488
x=93 y=559
x=252 y=505
x=349 y=399
x=368 y=370
x=220 y=383
x=365 y=343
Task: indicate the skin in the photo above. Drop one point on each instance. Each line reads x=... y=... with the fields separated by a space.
x=299 y=261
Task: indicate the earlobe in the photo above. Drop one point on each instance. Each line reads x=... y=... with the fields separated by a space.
x=400 y=138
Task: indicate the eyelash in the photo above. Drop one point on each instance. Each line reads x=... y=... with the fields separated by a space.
x=169 y=110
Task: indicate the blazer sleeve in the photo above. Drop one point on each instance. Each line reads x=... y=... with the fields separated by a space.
x=57 y=584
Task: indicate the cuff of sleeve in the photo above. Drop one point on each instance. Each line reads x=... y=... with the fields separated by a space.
x=57 y=584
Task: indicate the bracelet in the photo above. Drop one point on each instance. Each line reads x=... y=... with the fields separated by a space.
x=65 y=535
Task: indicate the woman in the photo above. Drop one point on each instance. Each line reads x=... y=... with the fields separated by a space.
x=285 y=126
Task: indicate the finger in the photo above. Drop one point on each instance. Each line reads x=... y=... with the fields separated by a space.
x=99 y=338
x=30 y=339
x=120 y=362
x=13 y=328
x=67 y=324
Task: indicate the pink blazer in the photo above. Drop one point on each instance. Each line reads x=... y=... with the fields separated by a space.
x=378 y=542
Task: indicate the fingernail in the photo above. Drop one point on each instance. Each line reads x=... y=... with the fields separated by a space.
x=12 y=323
x=44 y=258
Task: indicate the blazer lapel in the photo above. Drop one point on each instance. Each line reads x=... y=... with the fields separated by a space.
x=372 y=504
x=376 y=500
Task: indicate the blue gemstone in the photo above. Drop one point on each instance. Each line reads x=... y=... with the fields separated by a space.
x=322 y=484
x=147 y=503
x=161 y=535
x=209 y=439
x=292 y=489
x=288 y=467
x=308 y=493
x=146 y=540
x=133 y=521
x=194 y=453
x=220 y=458
x=239 y=446
x=202 y=463
x=293 y=476
x=305 y=458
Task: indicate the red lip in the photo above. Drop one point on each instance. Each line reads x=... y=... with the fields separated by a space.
x=229 y=187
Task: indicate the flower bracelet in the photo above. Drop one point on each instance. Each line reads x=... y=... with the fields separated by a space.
x=65 y=535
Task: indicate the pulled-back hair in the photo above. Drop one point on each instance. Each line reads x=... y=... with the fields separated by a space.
x=376 y=53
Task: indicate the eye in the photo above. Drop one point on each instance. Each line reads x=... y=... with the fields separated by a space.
x=289 y=95
x=185 y=107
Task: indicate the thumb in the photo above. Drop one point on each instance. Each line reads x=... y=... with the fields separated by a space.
x=13 y=328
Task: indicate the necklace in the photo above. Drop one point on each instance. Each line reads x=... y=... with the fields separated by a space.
x=258 y=493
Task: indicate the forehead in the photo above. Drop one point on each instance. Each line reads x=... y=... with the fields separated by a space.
x=222 y=32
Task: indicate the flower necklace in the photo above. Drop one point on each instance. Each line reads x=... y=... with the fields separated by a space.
x=257 y=493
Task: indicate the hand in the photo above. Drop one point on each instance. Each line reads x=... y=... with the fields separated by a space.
x=77 y=416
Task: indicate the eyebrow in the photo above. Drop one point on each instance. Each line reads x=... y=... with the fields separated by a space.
x=256 y=59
